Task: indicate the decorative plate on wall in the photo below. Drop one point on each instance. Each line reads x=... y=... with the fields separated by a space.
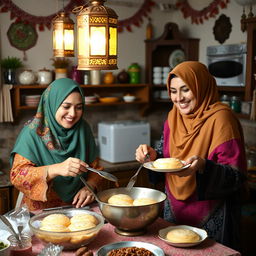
x=22 y=36
x=176 y=57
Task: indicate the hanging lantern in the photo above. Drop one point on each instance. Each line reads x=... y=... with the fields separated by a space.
x=97 y=37
x=63 y=36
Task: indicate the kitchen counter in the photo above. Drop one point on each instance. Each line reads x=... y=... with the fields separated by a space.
x=107 y=235
x=116 y=167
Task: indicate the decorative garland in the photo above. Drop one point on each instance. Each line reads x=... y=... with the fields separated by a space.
x=198 y=16
x=137 y=18
x=42 y=21
x=46 y=21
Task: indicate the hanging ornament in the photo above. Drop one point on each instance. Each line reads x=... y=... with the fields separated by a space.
x=22 y=36
x=222 y=28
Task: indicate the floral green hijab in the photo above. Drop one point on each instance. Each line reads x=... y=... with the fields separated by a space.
x=44 y=142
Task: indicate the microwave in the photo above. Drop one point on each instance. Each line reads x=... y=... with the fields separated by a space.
x=227 y=63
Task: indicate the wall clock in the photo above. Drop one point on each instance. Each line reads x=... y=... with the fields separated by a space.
x=22 y=36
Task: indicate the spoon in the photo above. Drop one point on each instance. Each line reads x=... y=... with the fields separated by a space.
x=90 y=189
x=103 y=174
x=133 y=179
x=9 y=225
x=20 y=229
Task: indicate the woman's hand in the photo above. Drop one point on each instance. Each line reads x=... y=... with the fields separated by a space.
x=141 y=152
x=70 y=167
x=197 y=164
x=83 y=197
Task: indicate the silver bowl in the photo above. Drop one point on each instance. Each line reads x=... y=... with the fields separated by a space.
x=131 y=220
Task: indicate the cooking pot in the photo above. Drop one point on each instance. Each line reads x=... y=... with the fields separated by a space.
x=131 y=220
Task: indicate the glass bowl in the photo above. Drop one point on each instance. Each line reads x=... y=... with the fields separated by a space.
x=68 y=239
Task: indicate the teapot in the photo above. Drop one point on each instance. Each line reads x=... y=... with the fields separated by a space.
x=27 y=77
x=44 y=76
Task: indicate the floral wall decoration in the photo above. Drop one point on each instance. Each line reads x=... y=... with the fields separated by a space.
x=198 y=16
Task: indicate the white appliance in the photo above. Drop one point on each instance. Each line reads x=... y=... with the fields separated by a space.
x=118 y=140
x=227 y=63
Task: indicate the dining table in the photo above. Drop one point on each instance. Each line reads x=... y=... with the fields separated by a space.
x=107 y=235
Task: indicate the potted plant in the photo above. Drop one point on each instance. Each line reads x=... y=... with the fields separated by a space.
x=10 y=65
x=61 y=67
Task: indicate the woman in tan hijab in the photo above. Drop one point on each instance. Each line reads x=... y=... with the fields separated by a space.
x=206 y=134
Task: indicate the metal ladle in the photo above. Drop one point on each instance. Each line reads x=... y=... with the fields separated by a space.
x=90 y=189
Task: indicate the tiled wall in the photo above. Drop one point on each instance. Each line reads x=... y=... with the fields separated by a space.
x=9 y=132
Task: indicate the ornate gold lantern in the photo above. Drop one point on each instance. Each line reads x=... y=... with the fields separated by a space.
x=97 y=37
x=63 y=36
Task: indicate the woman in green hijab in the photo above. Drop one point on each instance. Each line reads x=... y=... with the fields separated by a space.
x=54 y=149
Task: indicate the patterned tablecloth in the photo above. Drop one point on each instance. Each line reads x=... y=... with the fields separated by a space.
x=107 y=235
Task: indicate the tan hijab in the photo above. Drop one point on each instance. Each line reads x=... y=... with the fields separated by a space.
x=211 y=124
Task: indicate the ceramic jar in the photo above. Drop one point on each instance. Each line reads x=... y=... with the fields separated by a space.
x=27 y=77
x=76 y=75
x=61 y=73
x=95 y=77
x=123 y=77
x=134 y=73
x=44 y=76
x=108 y=78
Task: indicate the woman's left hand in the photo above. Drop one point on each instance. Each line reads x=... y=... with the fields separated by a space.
x=197 y=164
x=83 y=197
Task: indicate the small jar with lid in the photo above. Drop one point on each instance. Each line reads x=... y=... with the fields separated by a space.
x=20 y=248
x=225 y=99
x=235 y=104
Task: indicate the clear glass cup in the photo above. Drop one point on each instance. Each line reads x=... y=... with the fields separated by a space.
x=23 y=248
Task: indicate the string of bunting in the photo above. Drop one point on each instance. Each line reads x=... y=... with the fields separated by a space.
x=46 y=21
x=25 y=17
x=137 y=18
x=198 y=16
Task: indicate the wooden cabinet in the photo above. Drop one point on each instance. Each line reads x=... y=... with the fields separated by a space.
x=141 y=92
x=160 y=51
x=249 y=25
x=8 y=197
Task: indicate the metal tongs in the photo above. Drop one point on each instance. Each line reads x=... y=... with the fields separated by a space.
x=133 y=179
x=103 y=174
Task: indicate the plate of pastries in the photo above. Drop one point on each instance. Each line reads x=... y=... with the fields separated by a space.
x=170 y=164
x=182 y=235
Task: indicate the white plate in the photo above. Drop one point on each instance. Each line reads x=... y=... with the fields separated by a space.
x=201 y=232
x=149 y=165
x=176 y=57
x=151 y=247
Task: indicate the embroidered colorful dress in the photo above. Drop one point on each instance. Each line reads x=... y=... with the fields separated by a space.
x=210 y=199
x=44 y=142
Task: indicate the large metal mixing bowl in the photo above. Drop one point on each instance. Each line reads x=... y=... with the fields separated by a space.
x=131 y=220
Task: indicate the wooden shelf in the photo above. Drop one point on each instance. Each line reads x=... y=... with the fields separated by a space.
x=231 y=88
x=141 y=92
x=159 y=50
